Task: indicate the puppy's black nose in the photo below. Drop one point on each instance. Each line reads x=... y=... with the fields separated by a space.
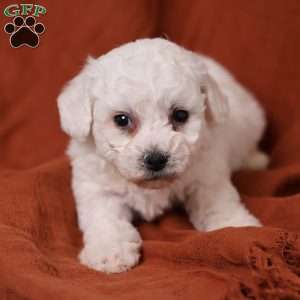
x=155 y=161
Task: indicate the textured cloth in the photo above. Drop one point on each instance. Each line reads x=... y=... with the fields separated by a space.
x=259 y=42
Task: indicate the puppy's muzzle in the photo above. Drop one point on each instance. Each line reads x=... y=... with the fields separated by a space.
x=155 y=161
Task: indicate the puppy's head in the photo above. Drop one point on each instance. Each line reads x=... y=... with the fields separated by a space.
x=147 y=105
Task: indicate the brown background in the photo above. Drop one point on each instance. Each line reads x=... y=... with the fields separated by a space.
x=259 y=42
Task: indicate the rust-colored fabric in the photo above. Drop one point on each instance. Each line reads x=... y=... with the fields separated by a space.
x=259 y=42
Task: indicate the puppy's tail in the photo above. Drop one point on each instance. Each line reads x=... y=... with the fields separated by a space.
x=257 y=160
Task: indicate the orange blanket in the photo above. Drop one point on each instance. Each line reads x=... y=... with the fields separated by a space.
x=39 y=237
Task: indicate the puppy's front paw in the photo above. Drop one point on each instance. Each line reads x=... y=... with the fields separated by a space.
x=115 y=255
x=239 y=220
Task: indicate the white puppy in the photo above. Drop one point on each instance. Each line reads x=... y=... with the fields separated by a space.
x=152 y=123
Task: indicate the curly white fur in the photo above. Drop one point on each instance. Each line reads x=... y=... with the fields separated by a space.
x=147 y=79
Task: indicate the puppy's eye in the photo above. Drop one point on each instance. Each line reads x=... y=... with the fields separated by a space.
x=122 y=120
x=179 y=116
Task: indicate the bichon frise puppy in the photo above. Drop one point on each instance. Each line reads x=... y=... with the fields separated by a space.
x=152 y=123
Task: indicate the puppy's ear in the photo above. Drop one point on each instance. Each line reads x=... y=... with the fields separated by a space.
x=75 y=105
x=216 y=101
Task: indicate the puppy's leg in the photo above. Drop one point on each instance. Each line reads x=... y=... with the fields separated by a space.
x=111 y=243
x=217 y=206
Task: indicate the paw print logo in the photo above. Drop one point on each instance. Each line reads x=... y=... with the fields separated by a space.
x=24 y=32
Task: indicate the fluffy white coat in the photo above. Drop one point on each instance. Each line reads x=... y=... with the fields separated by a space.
x=147 y=79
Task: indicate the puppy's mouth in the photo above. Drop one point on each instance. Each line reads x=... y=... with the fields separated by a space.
x=156 y=181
